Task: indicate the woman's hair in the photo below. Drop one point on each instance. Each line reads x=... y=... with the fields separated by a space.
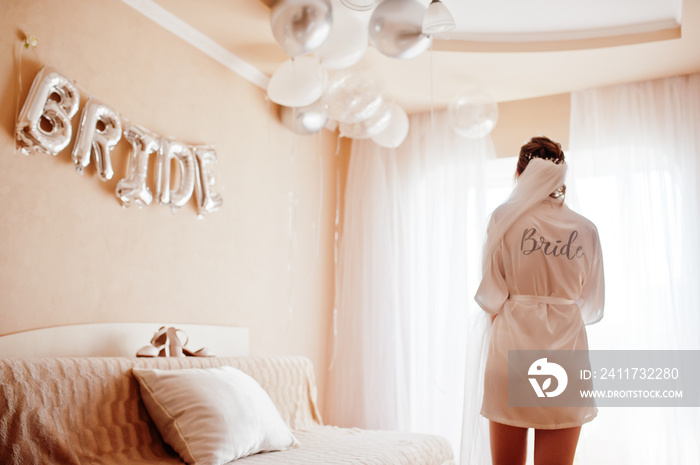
x=545 y=148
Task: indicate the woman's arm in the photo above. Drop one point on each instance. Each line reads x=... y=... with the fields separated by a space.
x=593 y=292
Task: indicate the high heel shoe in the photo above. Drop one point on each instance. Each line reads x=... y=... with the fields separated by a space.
x=181 y=349
x=157 y=346
x=167 y=343
x=203 y=352
x=176 y=345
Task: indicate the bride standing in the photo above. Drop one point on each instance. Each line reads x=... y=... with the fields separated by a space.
x=542 y=282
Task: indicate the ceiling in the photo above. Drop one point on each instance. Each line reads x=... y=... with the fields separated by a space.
x=509 y=48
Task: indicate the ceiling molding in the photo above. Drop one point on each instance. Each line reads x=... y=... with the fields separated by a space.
x=495 y=43
x=200 y=41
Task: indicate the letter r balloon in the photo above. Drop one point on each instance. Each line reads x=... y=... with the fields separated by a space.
x=99 y=131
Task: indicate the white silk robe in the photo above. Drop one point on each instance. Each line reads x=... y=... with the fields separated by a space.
x=554 y=254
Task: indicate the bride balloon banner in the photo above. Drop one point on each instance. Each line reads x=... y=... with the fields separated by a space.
x=44 y=126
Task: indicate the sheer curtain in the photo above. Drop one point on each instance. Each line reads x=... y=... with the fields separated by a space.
x=409 y=345
x=408 y=269
x=635 y=171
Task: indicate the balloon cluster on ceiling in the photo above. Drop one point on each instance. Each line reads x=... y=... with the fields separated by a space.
x=399 y=29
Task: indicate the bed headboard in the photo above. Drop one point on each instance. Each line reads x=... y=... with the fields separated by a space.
x=118 y=340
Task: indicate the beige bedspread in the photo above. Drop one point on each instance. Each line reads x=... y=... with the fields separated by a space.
x=89 y=411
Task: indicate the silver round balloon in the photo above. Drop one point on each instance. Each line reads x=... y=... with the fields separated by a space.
x=304 y=120
x=359 y=5
x=473 y=114
x=301 y=26
x=396 y=29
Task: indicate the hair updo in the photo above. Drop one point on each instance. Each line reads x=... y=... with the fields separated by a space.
x=545 y=148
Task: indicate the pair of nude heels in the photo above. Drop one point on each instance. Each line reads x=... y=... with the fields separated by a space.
x=166 y=343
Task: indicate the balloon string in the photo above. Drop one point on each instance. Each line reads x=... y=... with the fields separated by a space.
x=432 y=125
x=336 y=265
x=19 y=78
x=291 y=230
x=269 y=123
x=320 y=196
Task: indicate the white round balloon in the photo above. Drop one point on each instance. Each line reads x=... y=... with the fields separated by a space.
x=346 y=43
x=397 y=130
x=298 y=82
x=369 y=127
x=473 y=114
x=352 y=97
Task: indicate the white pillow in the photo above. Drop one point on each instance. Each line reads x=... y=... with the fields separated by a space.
x=214 y=415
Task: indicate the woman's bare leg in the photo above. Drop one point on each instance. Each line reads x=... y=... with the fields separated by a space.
x=556 y=446
x=508 y=444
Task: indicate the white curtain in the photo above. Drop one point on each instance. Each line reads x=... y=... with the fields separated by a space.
x=635 y=171
x=410 y=251
x=407 y=280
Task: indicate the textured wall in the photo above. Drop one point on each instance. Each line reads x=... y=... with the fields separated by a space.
x=69 y=254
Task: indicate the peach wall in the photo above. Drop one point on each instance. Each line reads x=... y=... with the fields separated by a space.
x=519 y=120
x=70 y=254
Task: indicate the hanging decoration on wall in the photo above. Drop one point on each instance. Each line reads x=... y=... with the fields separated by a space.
x=44 y=126
x=207 y=199
x=99 y=131
x=182 y=153
x=44 y=123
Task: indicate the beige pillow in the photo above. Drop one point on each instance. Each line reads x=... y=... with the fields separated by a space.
x=212 y=415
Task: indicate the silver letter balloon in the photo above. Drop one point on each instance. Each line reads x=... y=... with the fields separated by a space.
x=172 y=150
x=44 y=126
x=44 y=123
x=99 y=131
x=133 y=190
x=207 y=200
